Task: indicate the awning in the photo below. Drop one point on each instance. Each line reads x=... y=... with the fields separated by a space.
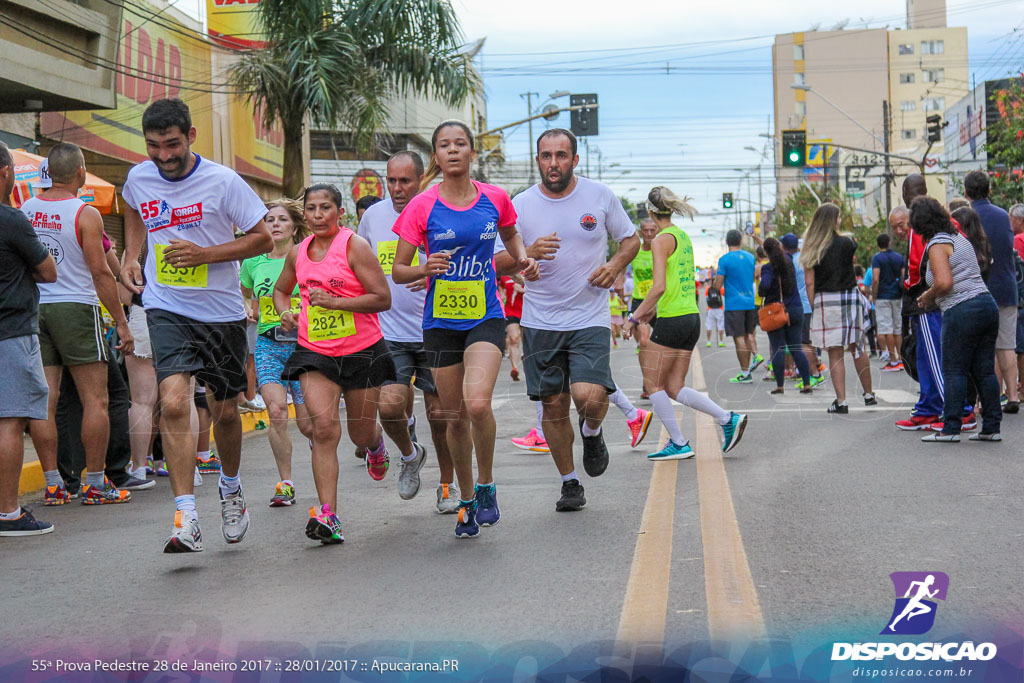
x=97 y=192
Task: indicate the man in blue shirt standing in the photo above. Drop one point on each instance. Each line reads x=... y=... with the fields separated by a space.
x=887 y=267
x=1002 y=281
x=736 y=272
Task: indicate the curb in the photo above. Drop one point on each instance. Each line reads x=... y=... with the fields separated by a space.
x=32 y=479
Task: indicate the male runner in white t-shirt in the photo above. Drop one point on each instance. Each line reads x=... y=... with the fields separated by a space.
x=565 y=221
x=402 y=327
x=184 y=210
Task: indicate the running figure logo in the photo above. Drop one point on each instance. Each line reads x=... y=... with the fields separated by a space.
x=916 y=592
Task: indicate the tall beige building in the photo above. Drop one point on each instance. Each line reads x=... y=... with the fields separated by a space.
x=835 y=85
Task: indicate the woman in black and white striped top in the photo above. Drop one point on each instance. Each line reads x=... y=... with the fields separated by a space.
x=970 y=320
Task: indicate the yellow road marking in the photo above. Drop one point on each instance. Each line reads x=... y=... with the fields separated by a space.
x=732 y=604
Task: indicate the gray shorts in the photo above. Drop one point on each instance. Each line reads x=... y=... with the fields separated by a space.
x=1007 y=338
x=740 y=323
x=251 y=335
x=553 y=360
x=23 y=390
x=411 y=366
x=889 y=314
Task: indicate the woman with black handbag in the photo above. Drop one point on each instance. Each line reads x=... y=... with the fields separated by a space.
x=782 y=315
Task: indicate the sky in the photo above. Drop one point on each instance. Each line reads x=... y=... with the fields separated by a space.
x=683 y=87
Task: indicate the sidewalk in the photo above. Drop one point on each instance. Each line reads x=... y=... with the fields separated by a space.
x=32 y=472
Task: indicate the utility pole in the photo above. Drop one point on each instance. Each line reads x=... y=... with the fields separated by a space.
x=888 y=170
x=529 y=143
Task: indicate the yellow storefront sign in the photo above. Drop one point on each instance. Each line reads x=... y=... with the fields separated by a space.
x=233 y=23
x=154 y=62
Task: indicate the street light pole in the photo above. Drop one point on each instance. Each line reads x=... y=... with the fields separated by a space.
x=807 y=88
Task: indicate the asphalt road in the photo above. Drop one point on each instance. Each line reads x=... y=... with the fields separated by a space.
x=825 y=507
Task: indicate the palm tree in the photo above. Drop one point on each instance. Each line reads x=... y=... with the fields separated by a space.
x=338 y=62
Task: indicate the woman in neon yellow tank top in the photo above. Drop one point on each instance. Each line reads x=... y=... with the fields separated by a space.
x=673 y=299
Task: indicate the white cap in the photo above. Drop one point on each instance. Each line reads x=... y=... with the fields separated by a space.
x=44 y=175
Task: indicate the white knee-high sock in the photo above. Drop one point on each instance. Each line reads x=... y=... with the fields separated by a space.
x=540 y=418
x=667 y=414
x=698 y=401
x=620 y=401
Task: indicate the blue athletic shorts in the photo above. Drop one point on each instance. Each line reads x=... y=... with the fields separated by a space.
x=270 y=359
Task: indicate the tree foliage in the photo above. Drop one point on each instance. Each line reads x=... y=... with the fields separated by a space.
x=1005 y=145
x=337 y=63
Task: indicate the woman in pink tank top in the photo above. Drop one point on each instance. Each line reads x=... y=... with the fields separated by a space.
x=341 y=349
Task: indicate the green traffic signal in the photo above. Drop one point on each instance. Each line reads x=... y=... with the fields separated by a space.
x=794 y=148
x=727 y=200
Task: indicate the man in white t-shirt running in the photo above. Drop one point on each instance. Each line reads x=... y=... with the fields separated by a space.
x=185 y=209
x=565 y=221
x=402 y=327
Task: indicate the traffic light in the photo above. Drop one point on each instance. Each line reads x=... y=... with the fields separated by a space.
x=583 y=121
x=934 y=128
x=727 y=200
x=794 y=148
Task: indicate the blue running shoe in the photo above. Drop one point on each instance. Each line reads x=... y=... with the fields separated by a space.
x=487 y=513
x=673 y=451
x=466 y=526
x=732 y=431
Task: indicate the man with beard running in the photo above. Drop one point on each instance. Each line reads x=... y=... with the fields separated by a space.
x=184 y=209
x=402 y=326
x=566 y=319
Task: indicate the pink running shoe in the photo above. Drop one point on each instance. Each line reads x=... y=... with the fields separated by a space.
x=638 y=427
x=377 y=465
x=532 y=442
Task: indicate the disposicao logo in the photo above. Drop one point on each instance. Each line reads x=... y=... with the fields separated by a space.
x=914 y=614
x=916 y=592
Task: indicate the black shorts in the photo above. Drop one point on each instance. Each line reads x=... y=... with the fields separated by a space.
x=509 y=319
x=215 y=353
x=678 y=332
x=446 y=347
x=555 y=359
x=199 y=399
x=635 y=304
x=739 y=323
x=411 y=366
x=364 y=369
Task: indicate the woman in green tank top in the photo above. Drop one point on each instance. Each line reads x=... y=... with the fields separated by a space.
x=677 y=329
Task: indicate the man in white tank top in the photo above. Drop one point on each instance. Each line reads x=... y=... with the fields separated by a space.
x=70 y=326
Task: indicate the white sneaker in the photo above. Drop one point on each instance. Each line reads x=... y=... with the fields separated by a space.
x=234 y=517
x=197 y=479
x=258 y=403
x=448 y=498
x=409 y=477
x=884 y=356
x=185 y=536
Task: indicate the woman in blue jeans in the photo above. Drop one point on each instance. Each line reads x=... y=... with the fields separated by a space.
x=970 y=320
x=778 y=283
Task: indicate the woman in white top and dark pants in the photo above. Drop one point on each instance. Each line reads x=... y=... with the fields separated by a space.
x=970 y=320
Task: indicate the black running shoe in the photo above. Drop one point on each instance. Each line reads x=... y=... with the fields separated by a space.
x=595 y=453
x=572 y=497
